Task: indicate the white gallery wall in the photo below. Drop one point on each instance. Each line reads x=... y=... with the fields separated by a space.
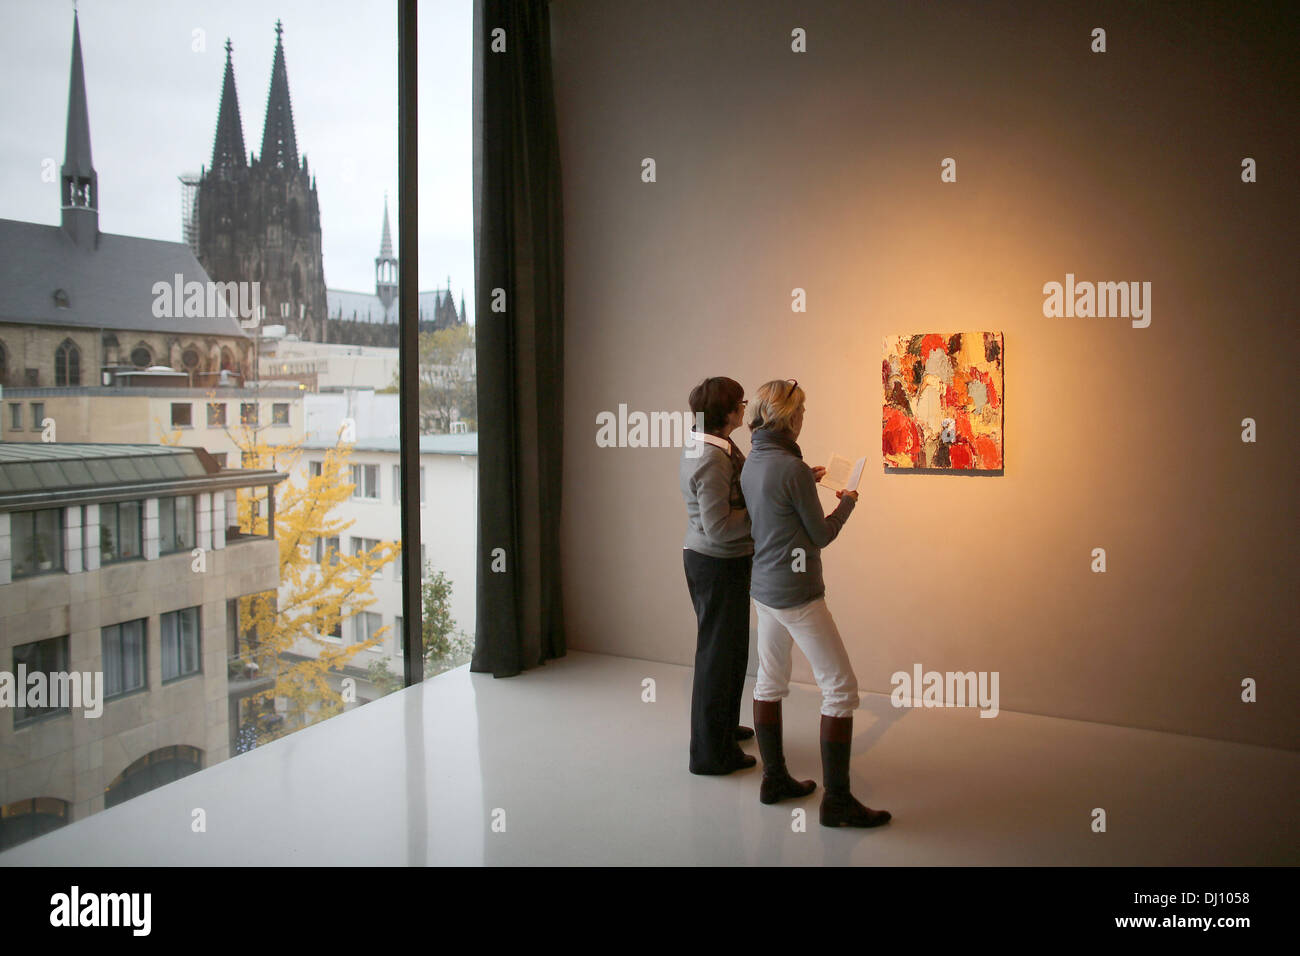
x=821 y=171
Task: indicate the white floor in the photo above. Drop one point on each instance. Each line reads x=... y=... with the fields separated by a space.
x=579 y=770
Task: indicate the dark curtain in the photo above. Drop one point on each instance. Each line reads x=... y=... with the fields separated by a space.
x=518 y=246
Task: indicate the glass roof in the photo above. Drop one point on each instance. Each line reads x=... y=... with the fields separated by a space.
x=54 y=467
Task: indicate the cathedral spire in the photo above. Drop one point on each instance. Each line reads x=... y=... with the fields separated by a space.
x=79 y=184
x=386 y=264
x=386 y=242
x=228 y=148
x=279 y=146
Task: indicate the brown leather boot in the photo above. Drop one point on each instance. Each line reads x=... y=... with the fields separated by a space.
x=777 y=783
x=839 y=807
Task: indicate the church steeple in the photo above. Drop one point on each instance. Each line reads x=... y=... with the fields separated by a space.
x=228 y=147
x=386 y=264
x=279 y=146
x=79 y=184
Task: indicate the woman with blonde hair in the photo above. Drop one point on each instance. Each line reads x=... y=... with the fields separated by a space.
x=789 y=531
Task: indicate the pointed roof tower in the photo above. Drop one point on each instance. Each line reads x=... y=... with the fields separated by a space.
x=386 y=242
x=228 y=147
x=386 y=265
x=279 y=146
x=79 y=184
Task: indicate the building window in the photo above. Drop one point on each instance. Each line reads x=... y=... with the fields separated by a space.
x=38 y=415
x=220 y=457
x=48 y=657
x=248 y=413
x=365 y=481
x=61 y=300
x=176 y=524
x=180 y=643
x=67 y=364
x=280 y=413
x=314 y=469
x=119 y=531
x=400 y=627
x=367 y=624
x=124 y=658
x=397 y=484
x=216 y=414
x=327 y=549
x=182 y=415
x=36 y=541
x=332 y=627
x=16 y=416
x=141 y=357
x=364 y=545
x=190 y=359
x=25 y=820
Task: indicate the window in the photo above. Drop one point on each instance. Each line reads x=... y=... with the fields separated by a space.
x=180 y=643
x=182 y=415
x=216 y=414
x=220 y=457
x=362 y=545
x=141 y=357
x=176 y=524
x=190 y=359
x=280 y=413
x=124 y=658
x=48 y=657
x=323 y=548
x=38 y=415
x=67 y=364
x=397 y=484
x=15 y=416
x=248 y=413
x=119 y=531
x=333 y=627
x=314 y=468
x=365 y=479
x=399 y=627
x=36 y=541
x=367 y=624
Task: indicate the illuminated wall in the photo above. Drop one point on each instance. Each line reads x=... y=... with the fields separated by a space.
x=821 y=170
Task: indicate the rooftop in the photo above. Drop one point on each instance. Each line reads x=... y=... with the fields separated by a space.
x=111 y=287
x=45 y=473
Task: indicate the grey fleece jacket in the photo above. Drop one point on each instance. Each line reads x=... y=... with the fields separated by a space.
x=717 y=523
x=785 y=514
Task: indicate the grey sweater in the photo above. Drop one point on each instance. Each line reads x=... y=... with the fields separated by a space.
x=717 y=523
x=786 y=514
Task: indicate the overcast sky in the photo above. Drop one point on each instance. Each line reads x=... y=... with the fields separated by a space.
x=153 y=101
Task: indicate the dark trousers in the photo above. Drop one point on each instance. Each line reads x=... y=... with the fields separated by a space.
x=720 y=592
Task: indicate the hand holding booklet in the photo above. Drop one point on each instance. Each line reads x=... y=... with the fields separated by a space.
x=842 y=474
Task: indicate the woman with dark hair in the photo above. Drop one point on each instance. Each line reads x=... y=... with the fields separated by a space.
x=717 y=557
x=789 y=531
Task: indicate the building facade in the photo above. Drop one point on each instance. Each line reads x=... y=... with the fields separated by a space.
x=123 y=565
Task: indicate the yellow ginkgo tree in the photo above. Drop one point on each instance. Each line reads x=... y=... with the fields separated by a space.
x=314 y=598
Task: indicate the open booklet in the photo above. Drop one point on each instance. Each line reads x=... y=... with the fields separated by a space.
x=842 y=474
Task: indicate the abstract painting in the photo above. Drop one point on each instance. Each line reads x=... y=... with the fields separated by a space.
x=943 y=401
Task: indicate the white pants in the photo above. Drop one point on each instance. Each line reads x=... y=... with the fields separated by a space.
x=813 y=629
